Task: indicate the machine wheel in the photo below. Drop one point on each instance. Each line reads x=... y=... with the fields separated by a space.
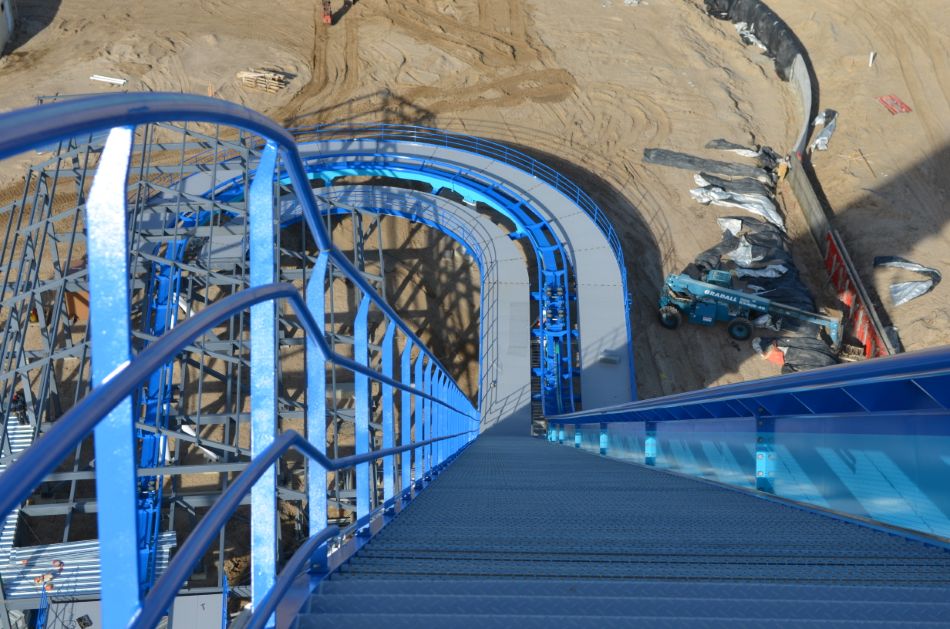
x=670 y=317
x=740 y=329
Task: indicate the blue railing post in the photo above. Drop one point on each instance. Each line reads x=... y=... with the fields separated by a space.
x=560 y=434
x=428 y=386
x=317 y=398
x=604 y=439
x=418 y=416
x=649 y=444
x=263 y=376
x=578 y=436
x=107 y=252
x=224 y=601
x=405 y=415
x=361 y=400
x=387 y=401
x=764 y=452
x=442 y=446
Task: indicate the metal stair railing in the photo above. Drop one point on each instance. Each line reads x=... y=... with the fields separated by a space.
x=529 y=223
x=444 y=412
x=865 y=442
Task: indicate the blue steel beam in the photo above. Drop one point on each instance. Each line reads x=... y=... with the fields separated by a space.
x=387 y=402
x=262 y=235
x=317 y=397
x=362 y=406
x=405 y=415
x=911 y=383
x=108 y=260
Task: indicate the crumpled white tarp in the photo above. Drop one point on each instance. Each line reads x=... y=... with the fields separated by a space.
x=754 y=203
x=902 y=292
x=828 y=118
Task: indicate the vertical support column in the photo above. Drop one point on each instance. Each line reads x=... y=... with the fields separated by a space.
x=560 y=434
x=361 y=403
x=405 y=415
x=649 y=444
x=427 y=416
x=604 y=439
x=317 y=398
x=441 y=419
x=114 y=436
x=434 y=410
x=418 y=417
x=263 y=377
x=764 y=452
x=387 y=401
x=577 y=436
x=453 y=426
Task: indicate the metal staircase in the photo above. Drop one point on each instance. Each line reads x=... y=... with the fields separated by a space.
x=521 y=533
x=20 y=437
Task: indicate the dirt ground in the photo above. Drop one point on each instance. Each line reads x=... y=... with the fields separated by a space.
x=886 y=176
x=584 y=85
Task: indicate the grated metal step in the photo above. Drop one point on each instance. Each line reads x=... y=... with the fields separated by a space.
x=520 y=532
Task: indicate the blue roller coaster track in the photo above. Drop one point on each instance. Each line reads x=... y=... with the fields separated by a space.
x=815 y=497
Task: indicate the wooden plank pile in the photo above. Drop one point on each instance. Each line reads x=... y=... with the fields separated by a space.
x=263 y=80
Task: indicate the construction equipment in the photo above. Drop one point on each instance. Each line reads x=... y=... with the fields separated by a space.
x=716 y=299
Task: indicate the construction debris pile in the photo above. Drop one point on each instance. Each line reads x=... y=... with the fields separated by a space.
x=755 y=250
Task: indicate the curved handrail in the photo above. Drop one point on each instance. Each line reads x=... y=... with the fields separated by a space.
x=502 y=153
x=30 y=128
x=486 y=148
x=161 y=595
x=44 y=455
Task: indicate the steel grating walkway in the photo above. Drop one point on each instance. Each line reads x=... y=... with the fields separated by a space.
x=520 y=532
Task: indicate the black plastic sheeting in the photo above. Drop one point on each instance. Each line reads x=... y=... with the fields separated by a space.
x=801 y=353
x=757 y=245
x=780 y=43
x=685 y=161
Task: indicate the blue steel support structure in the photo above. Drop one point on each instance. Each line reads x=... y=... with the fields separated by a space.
x=109 y=408
x=556 y=335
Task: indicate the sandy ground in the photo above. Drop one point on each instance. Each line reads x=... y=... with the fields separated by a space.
x=886 y=176
x=585 y=85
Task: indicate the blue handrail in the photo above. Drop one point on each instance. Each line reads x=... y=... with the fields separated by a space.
x=28 y=471
x=161 y=596
x=35 y=127
x=26 y=129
